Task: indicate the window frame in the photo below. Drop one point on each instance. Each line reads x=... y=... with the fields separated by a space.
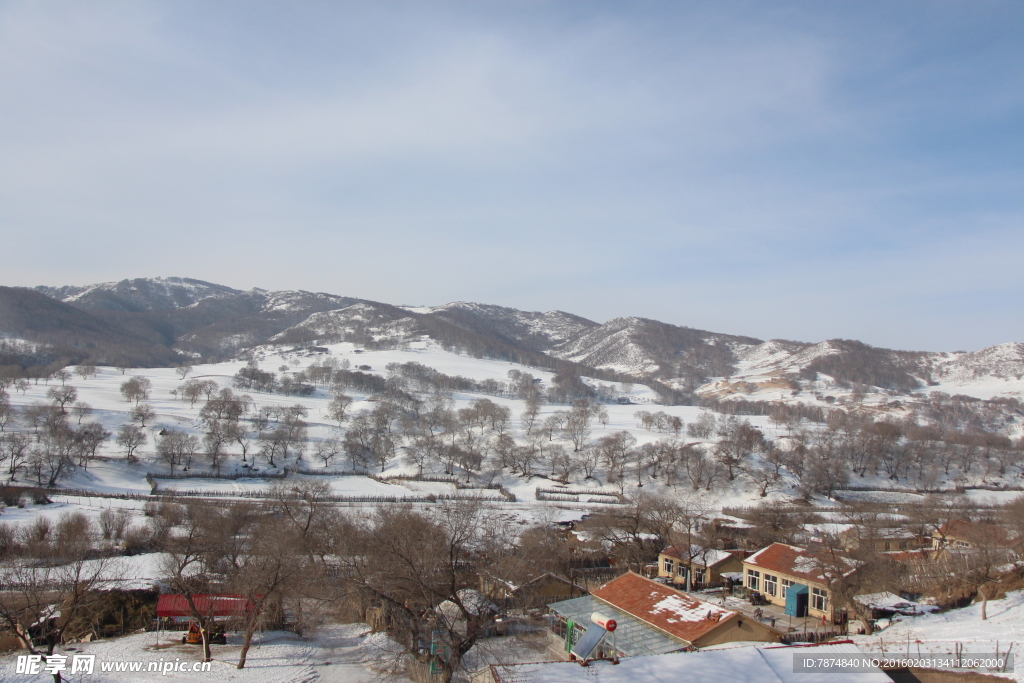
x=754 y=580
x=819 y=599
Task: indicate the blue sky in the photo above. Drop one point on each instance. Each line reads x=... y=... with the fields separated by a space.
x=794 y=170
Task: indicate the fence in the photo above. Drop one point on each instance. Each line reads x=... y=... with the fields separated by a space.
x=441 y=478
x=559 y=496
x=811 y=637
x=211 y=475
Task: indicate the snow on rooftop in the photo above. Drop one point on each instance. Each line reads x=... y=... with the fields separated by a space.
x=737 y=665
x=681 y=608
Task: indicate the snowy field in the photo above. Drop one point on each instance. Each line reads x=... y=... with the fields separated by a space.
x=112 y=473
x=337 y=654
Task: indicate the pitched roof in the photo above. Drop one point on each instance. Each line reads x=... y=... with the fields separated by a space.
x=879 y=533
x=979 y=534
x=794 y=561
x=680 y=615
x=517 y=575
x=224 y=605
x=707 y=557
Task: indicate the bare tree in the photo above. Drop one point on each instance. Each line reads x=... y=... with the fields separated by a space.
x=7 y=411
x=185 y=565
x=136 y=389
x=90 y=437
x=529 y=416
x=703 y=427
x=737 y=439
x=61 y=396
x=409 y=565
x=142 y=413
x=327 y=450
x=82 y=410
x=43 y=605
x=176 y=448
x=14 y=450
x=337 y=409
x=130 y=437
x=578 y=422
x=86 y=371
x=615 y=451
x=271 y=560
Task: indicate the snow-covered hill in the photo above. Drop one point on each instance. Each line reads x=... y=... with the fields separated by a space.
x=140 y=294
x=203 y=320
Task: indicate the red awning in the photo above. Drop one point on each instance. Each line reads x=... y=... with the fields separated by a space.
x=220 y=605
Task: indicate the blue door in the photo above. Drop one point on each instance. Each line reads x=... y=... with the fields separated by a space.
x=796 y=600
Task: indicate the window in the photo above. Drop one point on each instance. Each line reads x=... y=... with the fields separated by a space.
x=903 y=545
x=681 y=569
x=669 y=565
x=819 y=599
x=753 y=580
x=698 y=575
x=786 y=583
x=771 y=584
x=888 y=546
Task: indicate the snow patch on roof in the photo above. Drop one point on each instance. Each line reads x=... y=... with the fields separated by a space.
x=682 y=609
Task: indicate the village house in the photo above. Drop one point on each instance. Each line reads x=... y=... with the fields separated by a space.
x=792 y=578
x=963 y=535
x=655 y=619
x=519 y=588
x=883 y=540
x=702 y=565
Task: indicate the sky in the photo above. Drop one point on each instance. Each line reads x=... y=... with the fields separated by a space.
x=796 y=170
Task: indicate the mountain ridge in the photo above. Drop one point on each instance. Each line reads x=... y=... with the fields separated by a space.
x=176 y=318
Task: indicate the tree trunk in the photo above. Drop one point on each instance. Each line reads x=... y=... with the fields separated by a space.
x=984 y=604
x=245 y=647
x=207 y=655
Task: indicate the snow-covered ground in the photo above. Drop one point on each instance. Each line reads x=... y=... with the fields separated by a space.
x=336 y=654
x=943 y=632
x=112 y=473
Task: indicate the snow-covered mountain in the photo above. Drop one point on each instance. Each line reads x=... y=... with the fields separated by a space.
x=197 y=319
x=539 y=331
x=140 y=294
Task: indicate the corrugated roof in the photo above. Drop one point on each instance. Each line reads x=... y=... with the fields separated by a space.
x=223 y=605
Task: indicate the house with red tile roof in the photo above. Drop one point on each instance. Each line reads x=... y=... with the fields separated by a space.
x=794 y=578
x=662 y=619
x=705 y=564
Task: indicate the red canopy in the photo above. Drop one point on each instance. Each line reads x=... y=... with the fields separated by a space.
x=220 y=605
